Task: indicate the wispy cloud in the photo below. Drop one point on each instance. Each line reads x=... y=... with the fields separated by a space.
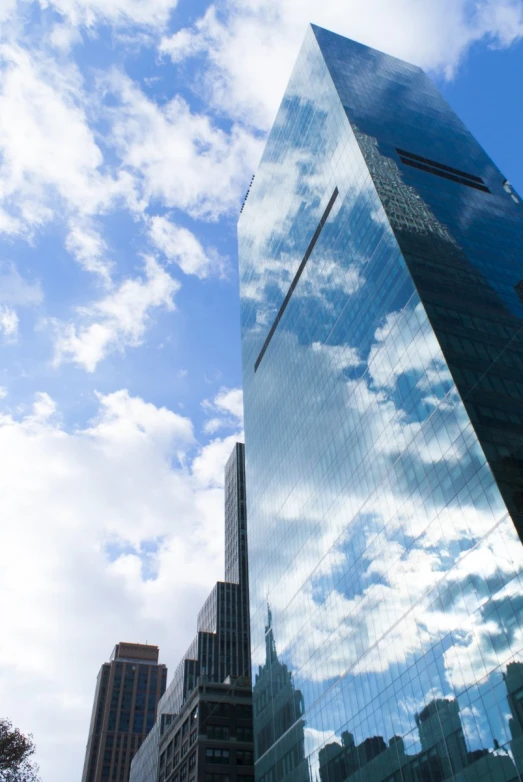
x=120 y=13
x=87 y=246
x=250 y=48
x=117 y=321
x=182 y=247
x=8 y=323
x=179 y=156
x=225 y=411
x=50 y=160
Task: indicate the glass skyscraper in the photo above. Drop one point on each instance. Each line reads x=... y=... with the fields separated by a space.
x=381 y=266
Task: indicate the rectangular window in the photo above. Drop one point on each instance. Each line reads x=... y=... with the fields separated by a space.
x=447 y=172
x=244 y=734
x=244 y=758
x=220 y=732
x=217 y=755
x=442 y=166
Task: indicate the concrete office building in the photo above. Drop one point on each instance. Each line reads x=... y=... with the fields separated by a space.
x=128 y=690
x=210 y=739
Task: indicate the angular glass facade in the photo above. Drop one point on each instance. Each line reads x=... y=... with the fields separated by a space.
x=381 y=254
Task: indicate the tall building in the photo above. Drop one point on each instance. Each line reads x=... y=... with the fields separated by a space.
x=278 y=707
x=220 y=651
x=128 y=689
x=381 y=266
x=210 y=738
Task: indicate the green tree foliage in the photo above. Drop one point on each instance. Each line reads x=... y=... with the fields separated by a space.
x=16 y=751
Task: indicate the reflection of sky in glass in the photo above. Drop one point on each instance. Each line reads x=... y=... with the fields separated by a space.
x=377 y=529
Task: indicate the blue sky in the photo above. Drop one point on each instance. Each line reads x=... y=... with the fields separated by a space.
x=129 y=132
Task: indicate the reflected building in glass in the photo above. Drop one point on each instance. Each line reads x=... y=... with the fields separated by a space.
x=381 y=266
x=278 y=708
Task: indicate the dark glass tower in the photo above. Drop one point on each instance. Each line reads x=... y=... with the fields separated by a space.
x=128 y=689
x=381 y=266
x=221 y=647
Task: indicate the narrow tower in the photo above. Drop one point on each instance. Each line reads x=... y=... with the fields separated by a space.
x=183 y=741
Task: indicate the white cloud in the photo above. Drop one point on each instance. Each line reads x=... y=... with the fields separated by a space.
x=154 y=13
x=3 y=392
x=49 y=156
x=15 y=290
x=225 y=410
x=182 y=247
x=117 y=321
x=180 y=157
x=43 y=409
x=64 y=36
x=231 y=401
x=8 y=322
x=7 y=10
x=208 y=466
x=252 y=44
x=88 y=247
x=65 y=497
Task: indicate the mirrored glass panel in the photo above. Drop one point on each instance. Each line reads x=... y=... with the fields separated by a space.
x=380 y=257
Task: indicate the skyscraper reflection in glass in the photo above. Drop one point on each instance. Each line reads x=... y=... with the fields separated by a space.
x=381 y=266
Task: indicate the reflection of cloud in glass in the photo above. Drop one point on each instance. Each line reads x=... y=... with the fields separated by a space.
x=376 y=526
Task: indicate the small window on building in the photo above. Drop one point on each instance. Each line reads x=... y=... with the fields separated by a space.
x=213 y=755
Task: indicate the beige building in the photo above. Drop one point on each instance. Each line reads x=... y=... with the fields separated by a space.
x=128 y=689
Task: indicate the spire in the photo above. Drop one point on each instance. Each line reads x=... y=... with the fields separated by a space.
x=270 y=646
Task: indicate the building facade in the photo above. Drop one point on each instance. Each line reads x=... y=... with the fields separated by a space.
x=221 y=647
x=128 y=690
x=210 y=739
x=382 y=343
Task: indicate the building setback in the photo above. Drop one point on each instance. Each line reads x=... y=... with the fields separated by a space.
x=127 y=692
x=381 y=266
x=219 y=652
